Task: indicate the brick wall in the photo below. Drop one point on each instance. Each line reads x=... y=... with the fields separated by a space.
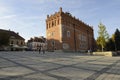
x=65 y=32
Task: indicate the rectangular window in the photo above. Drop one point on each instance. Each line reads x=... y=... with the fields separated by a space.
x=52 y=34
x=53 y=43
x=55 y=22
x=68 y=33
x=47 y=26
x=21 y=43
x=12 y=42
x=58 y=22
x=52 y=23
x=17 y=42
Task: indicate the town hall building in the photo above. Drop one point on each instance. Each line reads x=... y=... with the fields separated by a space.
x=67 y=33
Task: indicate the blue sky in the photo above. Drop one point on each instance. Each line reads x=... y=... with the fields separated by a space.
x=28 y=16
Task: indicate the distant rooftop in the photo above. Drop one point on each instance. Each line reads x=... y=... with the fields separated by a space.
x=11 y=34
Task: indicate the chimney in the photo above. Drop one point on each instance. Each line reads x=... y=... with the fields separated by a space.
x=60 y=9
x=17 y=33
x=47 y=16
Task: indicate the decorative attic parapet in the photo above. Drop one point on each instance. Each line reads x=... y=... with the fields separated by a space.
x=49 y=17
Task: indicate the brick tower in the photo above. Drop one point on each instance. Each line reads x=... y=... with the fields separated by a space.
x=65 y=32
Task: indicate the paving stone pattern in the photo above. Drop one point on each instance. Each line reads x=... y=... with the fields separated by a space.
x=57 y=66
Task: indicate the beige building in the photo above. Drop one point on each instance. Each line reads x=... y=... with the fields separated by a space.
x=65 y=32
x=16 y=42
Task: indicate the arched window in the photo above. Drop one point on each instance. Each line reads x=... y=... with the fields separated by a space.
x=52 y=23
x=55 y=22
x=68 y=33
x=58 y=21
x=49 y=25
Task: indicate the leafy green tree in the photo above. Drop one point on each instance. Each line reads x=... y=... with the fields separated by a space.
x=110 y=46
x=4 y=39
x=117 y=39
x=98 y=44
x=113 y=39
x=102 y=36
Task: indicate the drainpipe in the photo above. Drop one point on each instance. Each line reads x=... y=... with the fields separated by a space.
x=74 y=38
x=88 y=39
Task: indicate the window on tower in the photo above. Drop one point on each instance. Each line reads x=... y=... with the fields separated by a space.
x=58 y=21
x=55 y=22
x=49 y=25
x=52 y=34
x=52 y=23
x=68 y=33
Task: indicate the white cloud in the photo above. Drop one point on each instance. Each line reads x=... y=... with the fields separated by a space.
x=8 y=17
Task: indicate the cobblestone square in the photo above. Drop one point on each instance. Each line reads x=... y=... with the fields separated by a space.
x=28 y=65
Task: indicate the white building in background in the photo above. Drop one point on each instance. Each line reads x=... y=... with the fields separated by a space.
x=36 y=42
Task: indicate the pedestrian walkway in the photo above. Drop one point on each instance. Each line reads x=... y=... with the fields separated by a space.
x=57 y=66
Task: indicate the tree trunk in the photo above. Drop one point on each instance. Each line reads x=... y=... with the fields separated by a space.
x=102 y=48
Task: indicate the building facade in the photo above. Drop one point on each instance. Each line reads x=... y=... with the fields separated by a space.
x=65 y=32
x=15 y=41
x=35 y=43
